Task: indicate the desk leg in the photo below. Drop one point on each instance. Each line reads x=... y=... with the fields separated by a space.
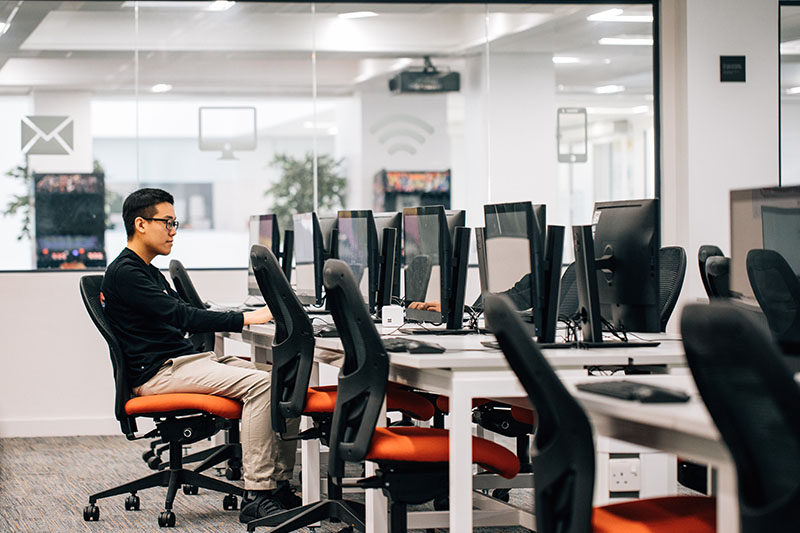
x=727 y=499
x=219 y=345
x=377 y=512
x=309 y=453
x=460 y=456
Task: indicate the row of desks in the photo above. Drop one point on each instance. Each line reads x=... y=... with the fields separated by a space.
x=468 y=370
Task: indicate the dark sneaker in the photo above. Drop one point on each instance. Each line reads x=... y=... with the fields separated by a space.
x=263 y=505
x=285 y=494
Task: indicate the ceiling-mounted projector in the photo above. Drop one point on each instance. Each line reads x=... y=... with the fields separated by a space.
x=425 y=80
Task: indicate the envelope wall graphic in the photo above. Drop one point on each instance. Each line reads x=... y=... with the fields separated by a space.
x=47 y=135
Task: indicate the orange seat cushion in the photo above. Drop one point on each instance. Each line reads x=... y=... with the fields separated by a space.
x=157 y=404
x=430 y=445
x=525 y=416
x=681 y=514
x=443 y=403
x=323 y=399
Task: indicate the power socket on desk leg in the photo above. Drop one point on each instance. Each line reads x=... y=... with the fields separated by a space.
x=624 y=475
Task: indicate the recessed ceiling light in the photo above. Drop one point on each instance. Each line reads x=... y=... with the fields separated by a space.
x=161 y=88
x=637 y=110
x=793 y=90
x=627 y=41
x=220 y=5
x=616 y=15
x=357 y=15
x=565 y=60
x=609 y=89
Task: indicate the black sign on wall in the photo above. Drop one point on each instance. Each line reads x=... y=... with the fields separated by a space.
x=732 y=68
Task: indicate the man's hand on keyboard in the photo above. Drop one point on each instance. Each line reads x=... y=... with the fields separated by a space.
x=259 y=316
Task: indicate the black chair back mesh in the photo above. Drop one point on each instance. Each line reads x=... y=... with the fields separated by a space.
x=203 y=342
x=362 y=379
x=777 y=290
x=90 y=294
x=753 y=398
x=564 y=466
x=293 y=344
x=718 y=276
x=703 y=253
x=672 y=271
x=568 y=294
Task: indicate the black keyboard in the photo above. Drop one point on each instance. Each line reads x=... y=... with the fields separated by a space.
x=635 y=391
x=401 y=344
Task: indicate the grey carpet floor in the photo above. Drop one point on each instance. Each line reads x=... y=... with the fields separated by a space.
x=45 y=483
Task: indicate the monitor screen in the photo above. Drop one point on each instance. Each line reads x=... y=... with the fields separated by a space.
x=763 y=218
x=425 y=235
x=508 y=251
x=390 y=256
x=304 y=256
x=263 y=231
x=356 y=243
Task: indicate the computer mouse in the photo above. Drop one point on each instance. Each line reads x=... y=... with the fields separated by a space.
x=424 y=347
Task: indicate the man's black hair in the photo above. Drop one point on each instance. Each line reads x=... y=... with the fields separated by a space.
x=142 y=203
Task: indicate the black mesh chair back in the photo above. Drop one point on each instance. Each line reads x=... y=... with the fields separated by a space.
x=777 y=290
x=90 y=294
x=718 y=276
x=753 y=398
x=364 y=374
x=564 y=466
x=703 y=253
x=419 y=272
x=185 y=288
x=568 y=295
x=672 y=271
x=293 y=344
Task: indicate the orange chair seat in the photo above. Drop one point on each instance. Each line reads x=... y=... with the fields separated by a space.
x=443 y=403
x=323 y=400
x=429 y=445
x=164 y=403
x=683 y=514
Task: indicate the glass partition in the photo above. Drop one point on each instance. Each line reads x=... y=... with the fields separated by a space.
x=790 y=92
x=247 y=108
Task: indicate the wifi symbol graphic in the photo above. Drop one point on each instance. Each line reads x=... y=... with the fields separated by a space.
x=399 y=133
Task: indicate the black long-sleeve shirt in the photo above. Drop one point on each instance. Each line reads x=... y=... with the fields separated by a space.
x=149 y=318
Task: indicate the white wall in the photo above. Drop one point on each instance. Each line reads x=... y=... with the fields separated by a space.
x=716 y=136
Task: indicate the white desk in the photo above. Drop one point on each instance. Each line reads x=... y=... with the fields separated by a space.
x=465 y=371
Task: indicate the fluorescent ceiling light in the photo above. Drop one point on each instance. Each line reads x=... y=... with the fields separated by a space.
x=627 y=41
x=216 y=5
x=161 y=88
x=615 y=15
x=793 y=90
x=565 y=60
x=357 y=15
x=609 y=89
x=220 y=5
x=3 y=27
x=637 y=110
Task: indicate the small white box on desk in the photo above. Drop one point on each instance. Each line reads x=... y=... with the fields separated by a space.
x=392 y=316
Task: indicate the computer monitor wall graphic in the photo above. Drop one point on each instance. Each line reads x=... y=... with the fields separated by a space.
x=767 y=218
x=227 y=129
x=314 y=239
x=264 y=231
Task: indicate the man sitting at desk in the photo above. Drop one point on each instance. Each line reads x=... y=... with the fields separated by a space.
x=149 y=320
x=520 y=295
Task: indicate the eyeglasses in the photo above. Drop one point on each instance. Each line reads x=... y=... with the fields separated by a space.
x=170 y=223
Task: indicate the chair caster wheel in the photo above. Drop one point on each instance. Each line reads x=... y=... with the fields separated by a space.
x=91 y=513
x=132 y=503
x=149 y=454
x=154 y=462
x=441 y=503
x=501 y=494
x=230 y=503
x=190 y=489
x=233 y=474
x=166 y=519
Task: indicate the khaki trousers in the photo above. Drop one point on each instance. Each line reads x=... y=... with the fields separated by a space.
x=265 y=457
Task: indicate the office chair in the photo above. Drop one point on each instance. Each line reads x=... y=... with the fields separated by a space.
x=752 y=396
x=671 y=272
x=777 y=290
x=718 y=276
x=179 y=419
x=568 y=293
x=412 y=461
x=703 y=254
x=564 y=465
x=418 y=276
x=204 y=342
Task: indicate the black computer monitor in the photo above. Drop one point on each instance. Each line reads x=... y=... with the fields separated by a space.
x=389 y=229
x=357 y=246
x=767 y=218
x=263 y=231
x=314 y=240
x=621 y=259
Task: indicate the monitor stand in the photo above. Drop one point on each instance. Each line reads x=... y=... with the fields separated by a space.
x=619 y=344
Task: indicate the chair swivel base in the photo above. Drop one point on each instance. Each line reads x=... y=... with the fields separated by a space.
x=351 y=513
